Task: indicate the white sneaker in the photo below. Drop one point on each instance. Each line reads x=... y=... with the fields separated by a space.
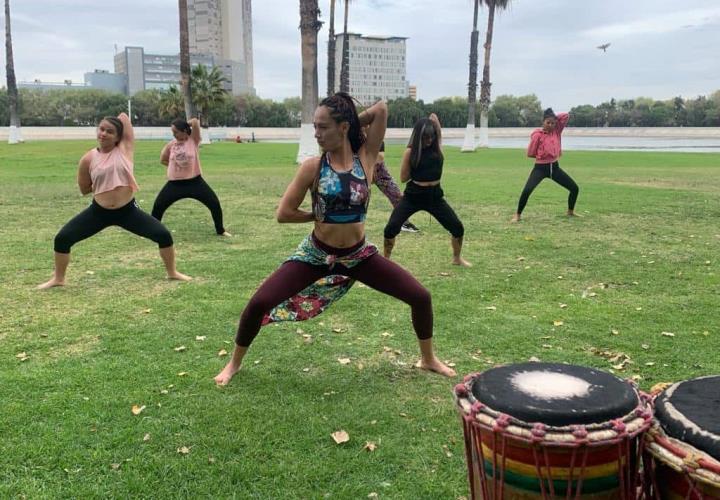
x=409 y=227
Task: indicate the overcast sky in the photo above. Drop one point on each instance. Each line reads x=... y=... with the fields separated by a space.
x=659 y=48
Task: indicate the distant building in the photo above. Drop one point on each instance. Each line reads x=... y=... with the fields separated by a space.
x=377 y=67
x=102 y=79
x=40 y=85
x=222 y=29
x=413 y=92
x=143 y=71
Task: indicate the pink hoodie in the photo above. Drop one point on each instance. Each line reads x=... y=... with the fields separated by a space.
x=546 y=147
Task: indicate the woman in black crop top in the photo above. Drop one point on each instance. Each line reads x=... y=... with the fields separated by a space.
x=421 y=168
x=336 y=254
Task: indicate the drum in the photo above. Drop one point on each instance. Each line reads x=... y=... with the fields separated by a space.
x=682 y=448
x=549 y=430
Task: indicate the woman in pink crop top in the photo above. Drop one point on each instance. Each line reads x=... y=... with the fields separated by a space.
x=335 y=254
x=182 y=158
x=545 y=146
x=107 y=172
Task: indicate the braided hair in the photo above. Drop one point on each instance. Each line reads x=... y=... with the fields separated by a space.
x=115 y=122
x=342 y=109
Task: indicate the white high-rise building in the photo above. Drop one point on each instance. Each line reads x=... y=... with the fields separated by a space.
x=223 y=29
x=377 y=67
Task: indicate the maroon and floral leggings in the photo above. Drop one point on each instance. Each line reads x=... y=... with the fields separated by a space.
x=376 y=272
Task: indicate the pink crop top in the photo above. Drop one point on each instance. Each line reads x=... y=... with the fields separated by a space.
x=111 y=170
x=184 y=162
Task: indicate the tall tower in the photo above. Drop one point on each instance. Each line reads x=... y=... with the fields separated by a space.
x=222 y=29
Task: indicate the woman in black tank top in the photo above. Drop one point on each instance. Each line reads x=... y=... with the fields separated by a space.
x=421 y=168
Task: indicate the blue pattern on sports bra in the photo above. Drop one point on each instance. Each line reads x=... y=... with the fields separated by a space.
x=341 y=197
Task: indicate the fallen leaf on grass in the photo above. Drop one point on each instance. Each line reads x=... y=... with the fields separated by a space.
x=645 y=346
x=444 y=274
x=344 y=361
x=563 y=306
x=614 y=331
x=147 y=311
x=667 y=334
x=307 y=338
x=306 y=370
x=137 y=410
x=659 y=387
x=558 y=322
x=22 y=356
x=491 y=308
x=182 y=374
x=650 y=363
x=386 y=334
x=222 y=352
x=534 y=359
x=183 y=450
x=114 y=466
x=146 y=438
x=180 y=348
x=200 y=338
x=370 y=446
x=373 y=495
x=447 y=451
x=338 y=330
x=546 y=346
x=340 y=437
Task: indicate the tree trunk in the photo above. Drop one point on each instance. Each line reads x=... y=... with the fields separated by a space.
x=331 y=52
x=309 y=27
x=469 y=142
x=485 y=85
x=345 y=68
x=185 y=60
x=15 y=136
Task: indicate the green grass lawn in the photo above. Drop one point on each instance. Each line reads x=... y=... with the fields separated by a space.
x=642 y=260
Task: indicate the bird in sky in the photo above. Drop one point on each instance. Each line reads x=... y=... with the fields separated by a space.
x=604 y=47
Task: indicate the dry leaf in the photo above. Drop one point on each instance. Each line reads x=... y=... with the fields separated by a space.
x=299 y=331
x=386 y=334
x=444 y=274
x=182 y=374
x=222 y=352
x=592 y=294
x=558 y=322
x=200 y=338
x=491 y=308
x=373 y=495
x=546 y=346
x=370 y=446
x=448 y=453
x=147 y=311
x=659 y=387
x=534 y=359
x=650 y=363
x=306 y=370
x=340 y=437
x=614 y=331
x=211 y=460
x=137 y=410
x=90 y=272
x=563 y=306
x=337 y=330
x=114 y=466
x=638 y=308
x=22 y=356
x=344 y=361
x=164 y=391
x=146 y=438
x=667 y=334
x=529 y=238
x=183 y=450
x=180 y=348
x=307 y=338
x=645 y=346
x=521 y=259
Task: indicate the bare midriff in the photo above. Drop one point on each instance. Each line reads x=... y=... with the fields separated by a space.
x=117 y=198
x=340 y=235
x=426 y=183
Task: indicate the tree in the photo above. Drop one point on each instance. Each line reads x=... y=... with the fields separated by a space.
x=331 y=52
x=15 y=135
x=309 y=27
x=185 y=84
x=469 y=142
x=171 y=103
x=485 y=84
x=208 y=90
x=345 y=67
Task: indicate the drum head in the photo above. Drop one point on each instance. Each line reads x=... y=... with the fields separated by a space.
x=688 y=411
x=555 y=394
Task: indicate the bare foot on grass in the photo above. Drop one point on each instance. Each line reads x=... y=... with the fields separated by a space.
x=571 y=213
x=179 y=276
x=225 y=234
x=52 y=283
x=437 y=366
x=227 y=373
x=459 y=261
x=515 y=218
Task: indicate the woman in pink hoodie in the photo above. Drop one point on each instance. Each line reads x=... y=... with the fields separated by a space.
x=546 y=148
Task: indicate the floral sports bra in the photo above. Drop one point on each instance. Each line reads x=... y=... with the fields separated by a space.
x=340 y=197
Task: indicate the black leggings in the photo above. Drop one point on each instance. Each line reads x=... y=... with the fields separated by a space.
x=195 y=188
x=376 y=272
x=95 y=218
x=552 y=170
x=430 y=199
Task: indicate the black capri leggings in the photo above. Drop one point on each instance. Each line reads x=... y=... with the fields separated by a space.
x=553 y=171
x=430 y=199
x=95 y=218
x=195 y=188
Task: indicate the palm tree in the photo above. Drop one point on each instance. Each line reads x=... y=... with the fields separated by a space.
x=469 y=142
x=485 y=84
x=331 y=52
x=185 y=60
x=15 y=135
x=345 y=67
x=208 y=90
x=171 y=103
x=309 y=27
